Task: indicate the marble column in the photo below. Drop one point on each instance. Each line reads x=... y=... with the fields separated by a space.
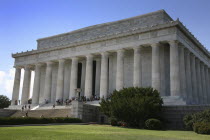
x=199 y=85
x=36 y=89
x=203 y=83
x=97 y=78
x=26 y=85
x=104 y=75
x=48 y=82
x=120 y=70
x=89 y=76
x=16 y=86
x=194 y=80
x=174 y=69
x=137 y=67
x=206 y=84
x=83 y=78
x=183 y=85
x=60 y=80
x=74 y=77
x=189 y=78
x=156 y=66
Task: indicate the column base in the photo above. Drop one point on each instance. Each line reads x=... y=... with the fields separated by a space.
x=173 y=100
x=14 y=107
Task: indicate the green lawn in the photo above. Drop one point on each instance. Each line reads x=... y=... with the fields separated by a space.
x=92 y=132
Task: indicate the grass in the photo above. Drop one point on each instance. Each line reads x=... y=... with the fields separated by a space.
x=92 y=132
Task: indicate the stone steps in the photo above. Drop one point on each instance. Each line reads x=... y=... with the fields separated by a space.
x=6 y=113
x=48 y=113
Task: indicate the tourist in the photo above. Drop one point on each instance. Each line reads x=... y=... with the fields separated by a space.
x=22 y=108
x=53 y=106
x=29 y=107
x=25 y=107
x=16 y=102
x=27 y=114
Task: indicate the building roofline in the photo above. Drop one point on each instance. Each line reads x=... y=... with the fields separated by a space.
x=105 y=24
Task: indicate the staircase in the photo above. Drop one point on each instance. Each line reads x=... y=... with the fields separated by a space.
x=6 y=112
x=48 y=113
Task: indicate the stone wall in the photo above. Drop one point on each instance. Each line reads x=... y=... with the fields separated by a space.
x=173 y=115
x=6 y=113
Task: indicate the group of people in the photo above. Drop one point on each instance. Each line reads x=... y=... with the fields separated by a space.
x=17 y=102
x=24 y=107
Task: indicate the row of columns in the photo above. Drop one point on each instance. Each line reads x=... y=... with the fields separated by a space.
x=184 y=72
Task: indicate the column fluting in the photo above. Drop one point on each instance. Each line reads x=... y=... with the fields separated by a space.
x=16 y=86
x=104 y=75
x=120 y=70
x=183 y=85
x=206 y=84
x=194 y=80
x=89 y=76
x=203 y=83
x=74 y=77
x=60 y=80
x=189 y=78
x=156 y=66
x=199 y=85
x=137 y=67
x=48 y=82
x=174 y=69
x=26 y=85
x=36 y=88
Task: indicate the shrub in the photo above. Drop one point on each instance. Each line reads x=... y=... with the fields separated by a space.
x=190 y=120
x=202 y=128
x=133 y=105
x=113 y=121
x=4 y=101
x=30 y=120
x=153 y=124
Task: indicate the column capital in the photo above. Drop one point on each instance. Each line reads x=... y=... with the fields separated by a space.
x=105 y=53
x=157 y=44
x=137 y=49
x=38 y=64
x=173 y=42
x=49 y=63
x=120 y=51
x=89 y=56
x=74 y=58
x=28 y=67
x=18 y=67
x=61 y=60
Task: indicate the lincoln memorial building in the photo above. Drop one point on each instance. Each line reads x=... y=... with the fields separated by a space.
x=150 y=50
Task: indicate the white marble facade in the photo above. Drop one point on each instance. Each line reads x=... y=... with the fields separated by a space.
x=150 y=50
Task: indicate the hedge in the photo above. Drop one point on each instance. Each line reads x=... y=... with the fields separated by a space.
x=153 y=124
x=202 y=128
x=30 y=120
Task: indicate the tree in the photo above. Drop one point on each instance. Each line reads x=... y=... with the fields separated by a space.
x=133 y=105
x=4 y=101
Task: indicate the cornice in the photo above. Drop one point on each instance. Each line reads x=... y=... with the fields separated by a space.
x=101 y=38
x=176 y=23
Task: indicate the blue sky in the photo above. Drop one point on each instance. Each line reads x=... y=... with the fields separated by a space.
x=22 y=22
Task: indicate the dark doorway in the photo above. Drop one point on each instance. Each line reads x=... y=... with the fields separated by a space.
x=94 y=77
x=79 y=74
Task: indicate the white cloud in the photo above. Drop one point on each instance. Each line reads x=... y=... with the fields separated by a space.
x=2 y=75
x=7 y=81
